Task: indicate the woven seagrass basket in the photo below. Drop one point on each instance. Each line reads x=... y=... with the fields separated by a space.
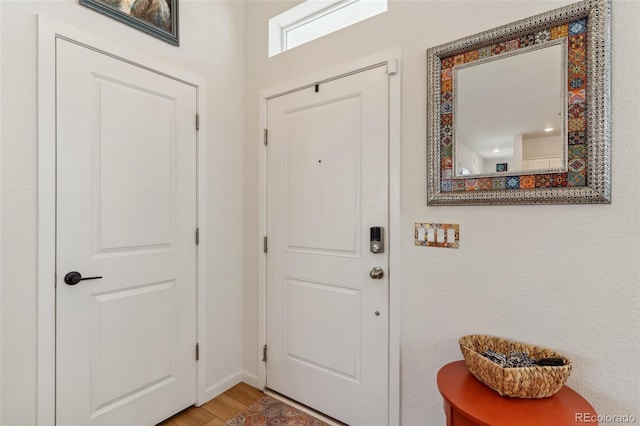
x=523 y=382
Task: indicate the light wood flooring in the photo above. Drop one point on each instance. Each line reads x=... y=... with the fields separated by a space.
x=217 y=411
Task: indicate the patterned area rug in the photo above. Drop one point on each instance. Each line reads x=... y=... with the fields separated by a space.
x=271 y=412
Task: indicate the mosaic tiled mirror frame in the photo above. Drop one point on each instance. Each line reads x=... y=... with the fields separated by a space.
x=587 y=179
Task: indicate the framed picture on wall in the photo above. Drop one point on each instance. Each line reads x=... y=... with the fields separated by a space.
x=158 y=18
x=501 y=167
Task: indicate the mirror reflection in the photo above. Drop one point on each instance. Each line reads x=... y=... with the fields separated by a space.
x=510 y=112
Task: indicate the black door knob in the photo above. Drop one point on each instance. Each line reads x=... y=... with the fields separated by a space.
x=73 y=278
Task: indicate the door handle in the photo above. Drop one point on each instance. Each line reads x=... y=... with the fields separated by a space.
x=73 y=278
x=376 y=273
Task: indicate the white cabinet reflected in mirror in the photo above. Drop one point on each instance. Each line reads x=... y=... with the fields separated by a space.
x=510 y=112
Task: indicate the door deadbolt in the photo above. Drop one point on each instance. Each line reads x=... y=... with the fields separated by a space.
x=376 y=273
x=376 y=239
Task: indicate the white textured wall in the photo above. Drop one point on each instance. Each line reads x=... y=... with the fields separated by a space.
x=0 y=215
x=212 y=40
x=563 y=276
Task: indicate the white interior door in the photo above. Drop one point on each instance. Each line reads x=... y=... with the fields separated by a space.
x=126 y=212
x=327 y=184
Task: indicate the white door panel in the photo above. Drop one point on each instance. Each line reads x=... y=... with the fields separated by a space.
x=136 y=208
x=330 y=344
x=126 y=211
x=334 y=155
x=327 y=184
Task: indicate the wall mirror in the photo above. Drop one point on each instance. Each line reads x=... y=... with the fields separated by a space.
x=521 y=114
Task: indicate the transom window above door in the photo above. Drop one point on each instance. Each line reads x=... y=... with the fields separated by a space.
x=313 y=19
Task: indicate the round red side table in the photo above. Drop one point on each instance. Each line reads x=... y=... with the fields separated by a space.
x=468 y=402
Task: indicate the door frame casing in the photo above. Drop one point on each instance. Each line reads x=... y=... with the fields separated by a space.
x=392 y=59
x=49 y=31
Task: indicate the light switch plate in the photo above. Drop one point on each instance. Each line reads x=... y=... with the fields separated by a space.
x=446 y=235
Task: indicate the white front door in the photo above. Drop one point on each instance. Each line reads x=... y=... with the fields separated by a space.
x=126 y=213
x=327 y=185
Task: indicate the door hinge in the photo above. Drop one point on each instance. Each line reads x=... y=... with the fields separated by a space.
x=197 y=121
x=197 y=351
x=197 y=236
x=266 y=247
x=264 y=353
x=266 y=136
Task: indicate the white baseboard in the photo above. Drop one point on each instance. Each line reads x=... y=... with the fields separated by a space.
x=251 y=379
x=228 y=382
x=223 y=386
